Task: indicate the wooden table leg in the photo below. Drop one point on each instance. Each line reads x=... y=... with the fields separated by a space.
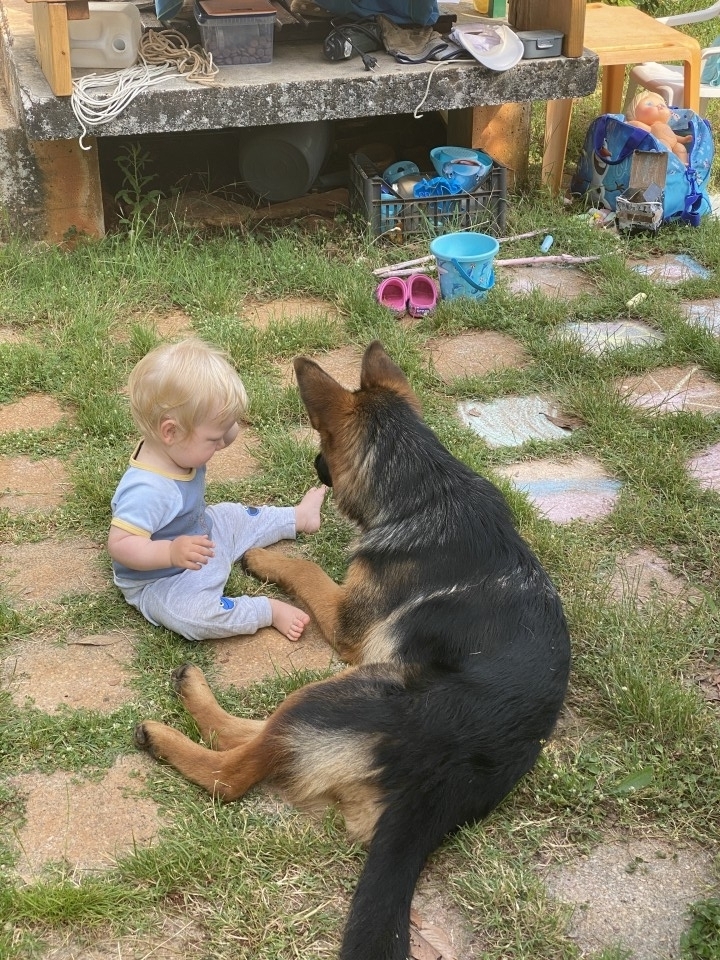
x=502 y=131
x=557 y=129
x=691 y=82
x=613 y=85
x=69 y=180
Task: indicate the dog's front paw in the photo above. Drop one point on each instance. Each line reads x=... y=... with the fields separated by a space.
x=181 y=675
x=256 y=562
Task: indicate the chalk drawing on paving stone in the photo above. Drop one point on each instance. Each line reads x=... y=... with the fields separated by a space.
x=705 y=468
x=578 y=489
x=600 y=336
x=703 y=313
x=672 y=269
x=512 y=421
x=552 y=281
x=672 y=389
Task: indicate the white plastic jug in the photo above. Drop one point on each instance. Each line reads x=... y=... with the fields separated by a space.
x=109 y=38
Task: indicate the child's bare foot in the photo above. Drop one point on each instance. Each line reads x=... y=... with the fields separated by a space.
x=307 y=512
x=289 y=620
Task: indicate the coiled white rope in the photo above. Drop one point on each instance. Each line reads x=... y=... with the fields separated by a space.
x=162 y=55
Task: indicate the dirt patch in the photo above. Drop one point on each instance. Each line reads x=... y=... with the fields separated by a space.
x=86 y=673
x=442 y=924
x=474 y=354
x=177 y=939
x=175 y=325
x=643 y=576
x=237 y=460
x=27 y=485
x=634 y=895
x=707 y=677
x=86 y=823
x=342 y=364
x=37 y=411
x=42 y=572
x=262 y=315
x=8 y=335
x=669 y=389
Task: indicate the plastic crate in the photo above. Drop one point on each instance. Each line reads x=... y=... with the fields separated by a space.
x=485 y=208
x=236 y=33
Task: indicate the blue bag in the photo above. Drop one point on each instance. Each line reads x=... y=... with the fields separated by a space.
x=603 y=170
x=421 y=12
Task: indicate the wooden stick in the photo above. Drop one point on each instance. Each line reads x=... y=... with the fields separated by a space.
x=534 y=261
x=400 y=266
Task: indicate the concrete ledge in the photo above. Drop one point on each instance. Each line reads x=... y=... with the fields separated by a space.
x=299 y=85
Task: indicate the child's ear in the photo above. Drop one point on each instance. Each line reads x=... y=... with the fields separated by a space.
x=168 y=430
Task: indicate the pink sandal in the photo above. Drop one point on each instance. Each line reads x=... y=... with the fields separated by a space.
x=393 y=293
x=422 y=294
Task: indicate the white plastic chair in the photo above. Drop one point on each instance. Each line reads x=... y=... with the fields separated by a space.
x=667 y=78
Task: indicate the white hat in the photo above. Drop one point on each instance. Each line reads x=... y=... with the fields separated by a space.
x=494 y=45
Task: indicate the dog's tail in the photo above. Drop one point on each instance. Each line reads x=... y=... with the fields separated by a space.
x=378 y=924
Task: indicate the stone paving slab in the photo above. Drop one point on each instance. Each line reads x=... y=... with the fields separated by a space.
x=33 y=412
x=703 y=313
x=670 y=269
x=670 y=389
x=705 y=468
x=43 y=572
x=643 y=576
x=87 y=823
x=560 y=281
x=601 y=336
x=563 y=491
x=28 y=485
x=634 y=895
x=89 y=672
x=512 y=421
x=474 y=354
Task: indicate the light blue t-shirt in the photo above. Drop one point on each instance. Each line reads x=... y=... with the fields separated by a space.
x=159 y=506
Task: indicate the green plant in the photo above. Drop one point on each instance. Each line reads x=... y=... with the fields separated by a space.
x=135 y=199
x=702 y=940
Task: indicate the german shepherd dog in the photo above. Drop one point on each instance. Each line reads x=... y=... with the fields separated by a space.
x=456 y=643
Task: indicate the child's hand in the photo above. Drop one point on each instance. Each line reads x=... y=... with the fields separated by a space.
x=191 y=553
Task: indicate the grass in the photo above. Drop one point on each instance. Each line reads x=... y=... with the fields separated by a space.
x=254 y=879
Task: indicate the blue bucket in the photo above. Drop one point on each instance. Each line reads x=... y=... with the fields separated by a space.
x=465 y=264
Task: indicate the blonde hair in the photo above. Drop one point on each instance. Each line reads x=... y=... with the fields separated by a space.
x=639 y=98
x=190 y=382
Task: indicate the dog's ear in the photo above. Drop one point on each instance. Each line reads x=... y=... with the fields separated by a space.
x=323 y=397
x=378 y=370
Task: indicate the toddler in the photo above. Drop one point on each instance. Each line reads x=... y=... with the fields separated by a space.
x=171 y=553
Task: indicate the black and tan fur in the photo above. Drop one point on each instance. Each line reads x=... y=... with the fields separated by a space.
x=456 y=642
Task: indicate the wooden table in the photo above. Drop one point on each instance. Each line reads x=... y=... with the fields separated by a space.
x=619 y=36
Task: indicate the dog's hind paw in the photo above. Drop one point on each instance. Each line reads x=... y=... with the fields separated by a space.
x=141 y=738
x=144 y=740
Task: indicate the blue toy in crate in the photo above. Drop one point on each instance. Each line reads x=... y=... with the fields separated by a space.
x=441 y=156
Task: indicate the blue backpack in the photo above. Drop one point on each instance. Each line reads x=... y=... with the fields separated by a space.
x=603 y=170
x=421 y=12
